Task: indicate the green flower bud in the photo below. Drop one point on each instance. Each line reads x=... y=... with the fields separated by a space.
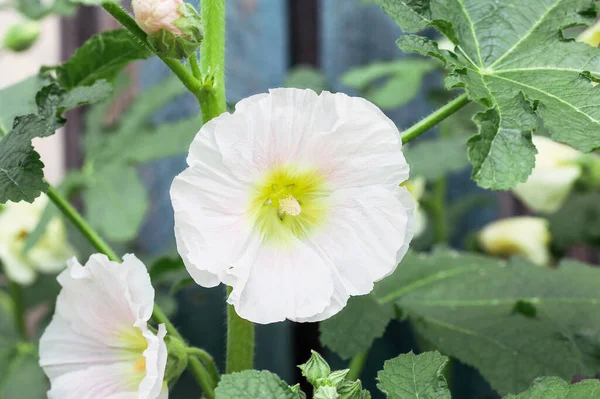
x=334 y=379
x=22 y=36
x=182 y=41
x=353 y=390
x=177 y=358
x=315 y=368
x=326 y=392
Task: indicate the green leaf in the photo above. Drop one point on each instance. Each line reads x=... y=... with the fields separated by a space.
x=24 y=378
x=389 y=85
x=164 y=266
x=115 y=201
x=555 y=388
x=471 y=307
x=354 y=329
x=255 y=384
x=436 y=158
x=21 y=174
x=19 y=99
x=101 y=57
x=307 y=77
x=533 y=71
x=411 y=376
x=181 y=284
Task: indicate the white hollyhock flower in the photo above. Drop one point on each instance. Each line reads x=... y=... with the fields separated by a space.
x=98 y=345
x=553 y=177
x=523 y=235
x=294 y=201
x=154 y=15
x=49 y=255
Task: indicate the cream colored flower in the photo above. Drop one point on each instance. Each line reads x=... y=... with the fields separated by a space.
x=591 y=35
x=98 y=345
x=49 y=255
x=154 y=15
x=525 y=236
x=553 y=177
x=417 y=188
x=294 y=201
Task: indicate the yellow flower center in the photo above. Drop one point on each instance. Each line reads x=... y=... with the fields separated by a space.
x=140 y=365
x=288 y=201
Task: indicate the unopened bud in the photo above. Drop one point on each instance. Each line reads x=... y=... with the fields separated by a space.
x=22 y=36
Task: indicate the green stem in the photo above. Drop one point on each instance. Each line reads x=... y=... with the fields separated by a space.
x=439 y=215
x=202 y=377
x=81 y=224
x=93 y=237
x=207 y=360
x=433 y=119
x=240 y=341
x=16 y=293
x=194 y=66
x=357 y=364
x=189 y=81
x=212 y=60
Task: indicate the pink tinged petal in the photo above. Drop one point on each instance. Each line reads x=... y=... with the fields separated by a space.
x=97 y=382
x=283 y=283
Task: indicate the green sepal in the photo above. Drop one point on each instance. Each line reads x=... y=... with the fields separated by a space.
x=334 y=379
x=167 y=44
x=315 y=369
x=177 y=360
x=353 y=390
x=326 y=392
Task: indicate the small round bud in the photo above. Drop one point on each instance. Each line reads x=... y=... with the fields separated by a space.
x=154 y=15
x=22 y=36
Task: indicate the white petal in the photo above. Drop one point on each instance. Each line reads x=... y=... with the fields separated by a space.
x=546 y=190
x=283 y=283
x=96 y=382
x=156 y=363
x=16 y=267
x=105 y=298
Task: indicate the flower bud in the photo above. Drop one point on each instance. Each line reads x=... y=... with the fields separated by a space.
x=177 y=359
x=315 y=368
x=591 y=35
x=326 y=392
x=174 y=27
x=22 y=36
x=555 y=173
x=525 y=236
x=353 y=390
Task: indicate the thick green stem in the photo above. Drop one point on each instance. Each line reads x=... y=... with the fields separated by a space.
x=212 y=59
x=202 y=377
x=357 y=364
x=93 y=237
x=16 y=293
x=189 y=81
x=433 y=119
x=208 y=362
x=240 y=341
x=81 y=224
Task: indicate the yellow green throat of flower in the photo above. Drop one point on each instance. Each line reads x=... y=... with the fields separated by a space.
x=288 y=202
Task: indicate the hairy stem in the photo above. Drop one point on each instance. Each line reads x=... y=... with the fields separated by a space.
x=240 y=341
x=101 y=245
x=433 y=119
x=194 y=66
x=357 y=364
x=212 y=60
x=16 y=294
x=440 y=217
x=202 y=377
x=193 y=84
x=208 y=362
x=83 y=226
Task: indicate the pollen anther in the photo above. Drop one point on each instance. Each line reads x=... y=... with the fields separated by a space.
x=289 y=206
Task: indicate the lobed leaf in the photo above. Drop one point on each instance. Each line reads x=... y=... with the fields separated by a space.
x=555 y=388
x=512 y=57
x=255 y=384
x=411 y=376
